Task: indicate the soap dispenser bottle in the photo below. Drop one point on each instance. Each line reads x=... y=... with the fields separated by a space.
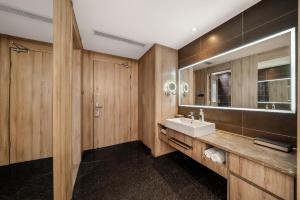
x=201 y=114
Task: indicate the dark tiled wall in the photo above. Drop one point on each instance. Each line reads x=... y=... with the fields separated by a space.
x=263 y=19
x=278 y=126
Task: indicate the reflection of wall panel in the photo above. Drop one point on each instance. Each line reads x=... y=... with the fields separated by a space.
x=243 y=81
x=249 y=82
x=187 y=76
x=244 y=77
x=200 y=87
x=278 y=91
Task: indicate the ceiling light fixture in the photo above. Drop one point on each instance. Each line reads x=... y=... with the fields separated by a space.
x=118 y=38
x=194 y=29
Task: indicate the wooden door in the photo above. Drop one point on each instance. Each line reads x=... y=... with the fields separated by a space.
x=112 y=95
x=30 y=106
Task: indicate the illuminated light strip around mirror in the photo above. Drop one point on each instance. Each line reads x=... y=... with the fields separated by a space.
x=293 y=74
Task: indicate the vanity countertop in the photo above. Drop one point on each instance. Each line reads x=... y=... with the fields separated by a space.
x=244 y=147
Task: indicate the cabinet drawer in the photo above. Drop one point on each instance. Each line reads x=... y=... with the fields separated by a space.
x=274 y=181
x=180 y=137
x=180 y=146
x=241 y=190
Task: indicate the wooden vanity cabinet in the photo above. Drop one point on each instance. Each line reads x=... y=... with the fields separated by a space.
x=247 y=179
x=181 y=142
x=273 y=181
x=241 y=190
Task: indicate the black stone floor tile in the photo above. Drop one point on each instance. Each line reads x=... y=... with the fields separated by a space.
x=28 y=180
x=128 y=171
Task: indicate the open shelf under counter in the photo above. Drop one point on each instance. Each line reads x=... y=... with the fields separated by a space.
x=244 y=147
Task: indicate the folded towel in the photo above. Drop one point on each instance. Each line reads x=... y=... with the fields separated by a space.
x=209 y=152
x=218 y=156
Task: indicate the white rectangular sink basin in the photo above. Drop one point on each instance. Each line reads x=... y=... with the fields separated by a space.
x=193 y=128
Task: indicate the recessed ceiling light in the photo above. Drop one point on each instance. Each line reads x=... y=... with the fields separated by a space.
x=194 y=29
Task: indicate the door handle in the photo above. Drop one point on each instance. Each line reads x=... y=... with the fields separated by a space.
x=97 y=110
x=97 y=105
x=97 y=113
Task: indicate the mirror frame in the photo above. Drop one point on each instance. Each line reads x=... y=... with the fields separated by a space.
x=292 y=31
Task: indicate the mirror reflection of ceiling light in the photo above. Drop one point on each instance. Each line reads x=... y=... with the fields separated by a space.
x=194 y=29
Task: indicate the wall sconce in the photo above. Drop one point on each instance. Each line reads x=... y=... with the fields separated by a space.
x=170 y=88
x=185 y=88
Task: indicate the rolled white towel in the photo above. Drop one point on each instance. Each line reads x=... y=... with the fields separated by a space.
x=209 y=152
x=218 y=156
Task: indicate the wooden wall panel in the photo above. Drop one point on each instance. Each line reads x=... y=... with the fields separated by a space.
x=76 y=112
x=87 y=102
x=4 y=98
x=147 y=103
x=89 y=58
x=166 y=62
x=134 y=102
x=156 y=67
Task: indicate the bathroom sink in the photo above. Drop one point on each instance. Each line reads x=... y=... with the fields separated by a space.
x=193 y=128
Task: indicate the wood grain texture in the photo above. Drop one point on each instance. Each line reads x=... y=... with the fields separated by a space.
x=134 y=101
x=263 y=179
x=87 y=102
x=156 y=67
x=244 y=147
x=166 y=64
x=30 y=106
x=147 y=100
x=4 y=98
x=241 y=190
x=89 y=58
x=76 y=112
x=104 y=93
x=271 y=180
x=62 y=99
x=112 y=89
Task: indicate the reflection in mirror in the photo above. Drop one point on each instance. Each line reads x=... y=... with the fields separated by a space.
x=256 y=76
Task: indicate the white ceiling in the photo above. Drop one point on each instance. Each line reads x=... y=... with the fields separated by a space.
x=167 y=22
x=12 y=24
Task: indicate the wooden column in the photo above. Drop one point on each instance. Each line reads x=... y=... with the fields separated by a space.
x=62 y=99
x=4 y=100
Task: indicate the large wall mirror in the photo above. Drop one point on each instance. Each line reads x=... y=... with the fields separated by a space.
x=257 y=76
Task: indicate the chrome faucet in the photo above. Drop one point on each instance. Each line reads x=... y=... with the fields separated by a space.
x=191 y=115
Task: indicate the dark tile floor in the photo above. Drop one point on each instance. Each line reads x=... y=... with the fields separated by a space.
x=28 y=180
x=128 y=171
